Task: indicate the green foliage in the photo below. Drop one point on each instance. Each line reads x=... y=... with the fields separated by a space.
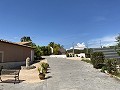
x=76 y=55
x=103 y=69
x=46 y=50
x=87 y=55
x=43 y=67
x=67 y=55
x=41 y=70
x=118 y=40
x=25 y=39
x=97 y=58
x=111 y=66
x=51 y=44
x=56 y=47
x=37 y=49
x=73 y=55
x=70 y=55
x=118 y=52
x=82 y=57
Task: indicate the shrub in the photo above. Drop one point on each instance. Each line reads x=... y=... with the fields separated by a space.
x=70 y=55
x=82 y=57
x=103 y=69
x=41 y=70
x=87 y=55
x=44 y=65
x=73 y=55
x=67 y=55
x=76 y=55
x=111 y=66
x=97 y=58
x=99 y=66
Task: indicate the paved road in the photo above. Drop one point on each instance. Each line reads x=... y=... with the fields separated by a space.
x=69 y=75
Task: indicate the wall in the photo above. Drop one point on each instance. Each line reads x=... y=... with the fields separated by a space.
x=14 y=53
x=58 y=56
x=9 y=65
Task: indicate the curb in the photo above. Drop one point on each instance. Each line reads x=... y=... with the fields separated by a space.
x=113 y=76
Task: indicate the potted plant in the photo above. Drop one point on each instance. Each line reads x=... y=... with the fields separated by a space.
x=43 y=70
x=41 y=73
x=45 y=66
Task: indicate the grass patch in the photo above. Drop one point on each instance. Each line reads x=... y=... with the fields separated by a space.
x=88 y=61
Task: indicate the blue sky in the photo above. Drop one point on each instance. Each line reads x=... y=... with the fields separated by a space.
x=61 y=21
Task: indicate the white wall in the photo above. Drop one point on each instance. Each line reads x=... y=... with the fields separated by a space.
x=58 y=56
x=81 y=55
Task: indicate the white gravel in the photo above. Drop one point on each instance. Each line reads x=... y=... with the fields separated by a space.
x=69 y=75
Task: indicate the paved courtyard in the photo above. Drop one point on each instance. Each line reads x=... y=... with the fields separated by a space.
x=69 y=75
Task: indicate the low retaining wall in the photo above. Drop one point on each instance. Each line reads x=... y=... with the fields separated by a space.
x=58 y=56
x=9 y=65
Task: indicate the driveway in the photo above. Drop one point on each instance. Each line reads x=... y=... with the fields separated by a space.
x=69 y=75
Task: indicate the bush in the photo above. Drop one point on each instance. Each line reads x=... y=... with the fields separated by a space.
x=67 y=55
x=111 y=66
x=97 y=58
x=76 y=55
x=82 y=57
x=87 y=55
x=99 y=66
x=103 y=69
x=44 y=65
x=70 y=55
x=73 y=55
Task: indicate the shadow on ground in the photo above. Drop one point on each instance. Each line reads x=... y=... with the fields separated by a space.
x=48 y=77
x=12 y=81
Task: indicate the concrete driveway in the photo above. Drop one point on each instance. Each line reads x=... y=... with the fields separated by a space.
x=69 y=75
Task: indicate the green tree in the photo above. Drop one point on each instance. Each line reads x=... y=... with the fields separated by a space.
x=56 y=47
x=51 y=44
x=118 y=40
x=46 y=50
x=25 y=39
x=37 y=49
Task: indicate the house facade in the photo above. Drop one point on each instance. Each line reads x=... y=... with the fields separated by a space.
x=13 y=54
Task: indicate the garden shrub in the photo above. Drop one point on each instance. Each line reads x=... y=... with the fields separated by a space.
x=76 y=55
x=103 y=69
x=73 y=55
x=82 y=57
x=87 y=55
x=67 y=55
x=111 y=66
x=70 y=55
x=97 y=58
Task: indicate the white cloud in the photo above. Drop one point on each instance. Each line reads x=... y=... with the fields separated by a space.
x=104 y=41
x=79 y=46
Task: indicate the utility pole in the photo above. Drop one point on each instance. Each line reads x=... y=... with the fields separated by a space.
x=100 y=44
x=87 y=46
x=73 y=48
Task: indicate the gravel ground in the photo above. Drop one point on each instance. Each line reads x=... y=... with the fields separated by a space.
x=69 y=75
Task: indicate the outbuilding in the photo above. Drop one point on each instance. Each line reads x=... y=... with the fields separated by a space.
x=14 y=54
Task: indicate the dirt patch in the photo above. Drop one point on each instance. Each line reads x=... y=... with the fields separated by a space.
x=31 y=76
